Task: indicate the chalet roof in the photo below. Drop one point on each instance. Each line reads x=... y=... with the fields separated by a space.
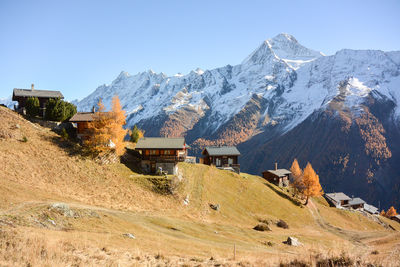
x=82 y=116
x=356 y=201
x=371 y=209
x=338 y=196
x=36 y=93
x=160 y=143
x=280 y=172
x=396 y=216
x=222 y=151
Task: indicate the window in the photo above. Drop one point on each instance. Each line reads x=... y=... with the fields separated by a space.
x=153 y=152
x=230 y=161
x=218 y=162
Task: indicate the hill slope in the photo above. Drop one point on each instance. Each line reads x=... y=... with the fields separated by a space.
x=58 y=207
x=280 y=85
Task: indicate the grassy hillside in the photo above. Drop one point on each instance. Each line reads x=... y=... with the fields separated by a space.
x=39 y=171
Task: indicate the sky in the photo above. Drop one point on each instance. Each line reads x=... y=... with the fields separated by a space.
x=76 y=46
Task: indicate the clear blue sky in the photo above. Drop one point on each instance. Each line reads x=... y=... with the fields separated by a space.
x=75 y=46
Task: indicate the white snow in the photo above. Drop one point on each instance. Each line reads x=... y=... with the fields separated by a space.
x=297 y=80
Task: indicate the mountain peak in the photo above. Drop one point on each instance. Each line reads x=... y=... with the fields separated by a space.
x=283 y=46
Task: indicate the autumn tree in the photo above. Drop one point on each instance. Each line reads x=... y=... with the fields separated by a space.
x=118 y=120
x=383 y=213
x=312 y=187
x=297 y=175
x=106 y=130
x=391 y=212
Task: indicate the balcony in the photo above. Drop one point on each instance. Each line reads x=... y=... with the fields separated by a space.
x=164 y=158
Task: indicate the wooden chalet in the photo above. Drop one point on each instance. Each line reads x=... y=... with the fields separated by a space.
x=337 y=199
x=277 y=176
x=81 y=122
x=371 y=209
x=223 y=157
x=356 y=203
x=161 y=153
x=21 y=95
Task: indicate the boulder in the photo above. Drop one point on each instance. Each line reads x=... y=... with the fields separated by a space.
x=63 y=209
x=214 y=207
x=129 y=235
x=292 y=241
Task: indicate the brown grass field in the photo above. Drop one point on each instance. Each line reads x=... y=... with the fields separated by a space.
x=104 y=202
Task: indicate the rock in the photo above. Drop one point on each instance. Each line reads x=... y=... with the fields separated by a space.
x=282 y=224
x=186 y=200
x=129 y=235
x=262 y=227
x=52 y=222
x=292 y=241
x=214 y=207
x=63 y=209
x=17 y=126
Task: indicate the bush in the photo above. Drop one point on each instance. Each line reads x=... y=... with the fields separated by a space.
x=32 y=106
x=282 y=224
x=64 y=134
x=24 y=139
x=262 y=227
x=59 y=110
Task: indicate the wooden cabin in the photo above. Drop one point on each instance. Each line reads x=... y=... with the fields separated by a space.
x=21 y=95
x=277 y=176
x=371 y=209
x=81 y=121
x=223 y=157
x=337 y=199
x=161 y=153
x=356 y=203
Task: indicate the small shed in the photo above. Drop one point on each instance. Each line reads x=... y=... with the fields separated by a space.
x=21 y=95
x=81 y=122
x=396 y=218
x=356 y=203
x=371 y=209
x=223 y=157
x=337 y=199
x=277 y=176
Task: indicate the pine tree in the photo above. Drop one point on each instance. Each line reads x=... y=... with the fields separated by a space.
x=391 y=212
x=32 y=106
x=136 y=134
x=311 y=183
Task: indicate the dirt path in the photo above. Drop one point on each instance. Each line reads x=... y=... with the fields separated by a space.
x=352 y=236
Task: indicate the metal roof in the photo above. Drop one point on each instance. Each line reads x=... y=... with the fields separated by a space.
x=356 y=201
x=36 y=93
x=82 y=116
x=338 y=196
x=160 y=143
x=280 y=172
x=222 y=151
x=371 y=209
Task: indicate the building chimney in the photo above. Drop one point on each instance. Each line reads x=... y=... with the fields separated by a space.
x=276 y=166
x=93 y=109
x=32 y=87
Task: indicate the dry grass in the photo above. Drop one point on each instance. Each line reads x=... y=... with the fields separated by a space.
x=112 y=200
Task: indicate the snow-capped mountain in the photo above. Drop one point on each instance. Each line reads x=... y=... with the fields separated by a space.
x=280 y=93
x=292 y=79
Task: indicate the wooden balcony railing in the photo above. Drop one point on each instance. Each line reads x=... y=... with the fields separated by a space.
x=163 y=158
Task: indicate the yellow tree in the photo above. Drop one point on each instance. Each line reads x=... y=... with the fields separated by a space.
x=391 y=212
x=297 y=175
x=383 y=213
x=312 y=187
x=98 y=128
x=117 y=121
x=107 y=132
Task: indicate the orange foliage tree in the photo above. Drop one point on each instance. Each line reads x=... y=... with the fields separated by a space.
x=312 y=187
x=297 y=175
x=391 y=212
x=106 y=130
